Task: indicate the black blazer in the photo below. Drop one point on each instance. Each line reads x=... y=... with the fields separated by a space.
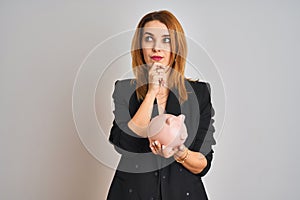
x=141 y=175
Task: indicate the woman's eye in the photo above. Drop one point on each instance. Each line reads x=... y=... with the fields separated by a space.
x=166 y=40
x=148 y=39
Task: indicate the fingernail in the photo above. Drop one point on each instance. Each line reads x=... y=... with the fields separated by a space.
x=155 y=142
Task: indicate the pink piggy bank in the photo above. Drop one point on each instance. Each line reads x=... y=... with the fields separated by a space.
x=169 y=130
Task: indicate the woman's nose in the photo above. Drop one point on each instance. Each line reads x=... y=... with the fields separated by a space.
x=156 y=47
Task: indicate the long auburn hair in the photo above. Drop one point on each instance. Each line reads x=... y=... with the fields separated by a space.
x=177 y=59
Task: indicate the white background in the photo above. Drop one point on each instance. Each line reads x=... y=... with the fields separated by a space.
x=255 y=45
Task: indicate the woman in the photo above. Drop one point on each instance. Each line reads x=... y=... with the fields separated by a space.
x=158 y=59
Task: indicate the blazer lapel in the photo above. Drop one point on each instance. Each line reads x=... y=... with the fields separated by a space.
x=173 y=106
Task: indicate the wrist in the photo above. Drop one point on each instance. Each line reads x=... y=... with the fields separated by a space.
x=182 y=149
x=181 y=159
x=150 y=95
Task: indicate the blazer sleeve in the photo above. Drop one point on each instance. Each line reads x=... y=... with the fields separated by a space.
x=125 y=141
x=204 y=138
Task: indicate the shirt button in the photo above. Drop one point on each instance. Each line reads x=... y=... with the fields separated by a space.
x=180 y=169
x=130 y=190
x=164 y=177
x=155 y=174
x=187 y=194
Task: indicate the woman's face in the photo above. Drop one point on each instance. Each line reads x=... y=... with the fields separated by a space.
x=156 y=44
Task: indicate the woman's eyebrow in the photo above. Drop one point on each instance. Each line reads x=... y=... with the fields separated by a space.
x=166 y=35
x=148 y=33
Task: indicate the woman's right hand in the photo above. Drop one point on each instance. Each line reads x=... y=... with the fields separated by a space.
x=156 y=78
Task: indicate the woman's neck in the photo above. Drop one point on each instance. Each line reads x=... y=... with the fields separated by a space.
x=163 y=93
x=161 y=99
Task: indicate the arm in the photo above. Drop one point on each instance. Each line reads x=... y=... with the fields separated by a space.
x=130 y=134
x=195 y=162
x=121 y=136
x=142 y=117
x=200 y=154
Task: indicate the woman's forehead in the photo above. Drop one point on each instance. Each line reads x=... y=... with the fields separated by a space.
x=156 y=28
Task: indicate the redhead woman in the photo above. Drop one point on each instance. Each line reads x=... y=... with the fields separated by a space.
x=145 y=172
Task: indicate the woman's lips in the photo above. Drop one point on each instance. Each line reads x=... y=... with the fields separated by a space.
x=156 y=58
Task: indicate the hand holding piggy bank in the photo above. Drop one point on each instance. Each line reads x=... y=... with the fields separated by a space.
x=169 y=130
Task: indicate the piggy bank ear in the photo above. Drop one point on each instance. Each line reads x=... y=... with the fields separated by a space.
x=182 y=117
x=169 y=121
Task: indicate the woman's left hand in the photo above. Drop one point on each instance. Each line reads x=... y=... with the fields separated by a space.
x=159 y=149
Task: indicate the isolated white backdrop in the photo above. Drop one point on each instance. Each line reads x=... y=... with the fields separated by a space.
x=253 y=43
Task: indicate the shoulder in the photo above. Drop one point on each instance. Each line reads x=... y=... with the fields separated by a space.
x=202 y=92
x=199 y=87
x=124 y=88
x=125 y=84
